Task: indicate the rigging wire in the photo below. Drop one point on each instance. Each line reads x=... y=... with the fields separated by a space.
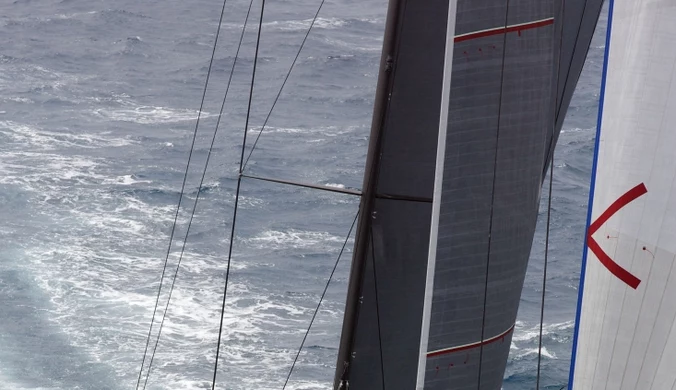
x=495 y=168
x=199 y=190
x=544 y=273
x=237 y=191
x=180 y=198
x=286 y=78
x=321 y=298
x=550 y=153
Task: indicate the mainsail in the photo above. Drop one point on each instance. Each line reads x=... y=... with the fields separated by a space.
x=508 y=71
x=626 y=333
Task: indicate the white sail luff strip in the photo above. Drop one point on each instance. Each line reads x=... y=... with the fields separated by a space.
x=436 y=203
x=627 y=337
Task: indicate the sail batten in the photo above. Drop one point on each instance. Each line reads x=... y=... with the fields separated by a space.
x=478 y=344
x=504 y=29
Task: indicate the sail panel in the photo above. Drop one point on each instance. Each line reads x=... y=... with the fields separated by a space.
x=500 y=113
x=627 y=335
x=389 y=317
x=401 y=215
x=503 y=78
x=408 y=155
x=579 y=18
x=438 y=181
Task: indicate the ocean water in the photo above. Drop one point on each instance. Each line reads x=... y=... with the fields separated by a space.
x=98 y=107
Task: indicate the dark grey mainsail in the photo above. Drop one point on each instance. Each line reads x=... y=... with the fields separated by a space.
x=499 y=115
x=501 y=99
x=381 y=331
x=579 y=19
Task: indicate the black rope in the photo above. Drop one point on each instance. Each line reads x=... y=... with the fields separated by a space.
x=549 y=200
x=490 y=224
x=199 y=189
x=375 y=287
x=314 y=315
x=274 y=103
x=544 y=273
x=239 y=182
x=180 y=198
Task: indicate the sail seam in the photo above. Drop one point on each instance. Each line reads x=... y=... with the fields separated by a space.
x=404 y=198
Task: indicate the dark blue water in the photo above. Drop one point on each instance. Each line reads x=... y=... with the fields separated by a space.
x=99 y=101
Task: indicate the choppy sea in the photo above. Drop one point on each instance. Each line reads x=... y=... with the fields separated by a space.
x=98 y=106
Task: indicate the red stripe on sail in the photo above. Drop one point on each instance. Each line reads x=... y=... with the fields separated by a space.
x=611 y=265
x=465 y=347
x=504 y=30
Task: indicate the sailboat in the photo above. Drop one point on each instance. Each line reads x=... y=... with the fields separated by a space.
x=463 y=132
x=470 y=100
x=625 y=334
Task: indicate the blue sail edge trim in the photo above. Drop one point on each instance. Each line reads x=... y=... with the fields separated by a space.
x=592 y=187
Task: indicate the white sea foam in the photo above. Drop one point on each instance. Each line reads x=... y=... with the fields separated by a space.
x=300 y=25
x=18 y=99
x=148 y=114
x=296 y=239
x=526 y=338
x=86 y=279
x=528 y=334
x=336 y=185
x=47 y=173
x=125 y=180
x=327 y=131
x=534 y=351
x=31 y=136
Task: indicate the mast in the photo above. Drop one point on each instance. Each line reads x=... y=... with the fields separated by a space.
x=368 y=190
x=387 y=281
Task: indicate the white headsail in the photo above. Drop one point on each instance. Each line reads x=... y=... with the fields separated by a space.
x=627 y=334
